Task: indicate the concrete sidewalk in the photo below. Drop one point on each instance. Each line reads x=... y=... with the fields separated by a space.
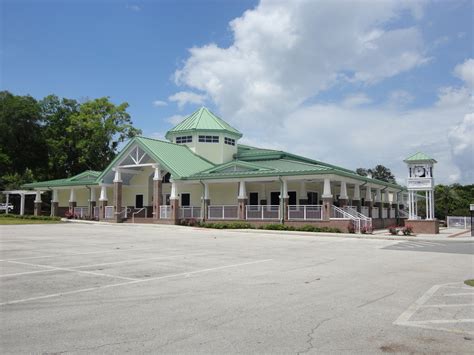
x=446 y=234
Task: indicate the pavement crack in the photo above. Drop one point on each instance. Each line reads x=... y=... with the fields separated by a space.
x=310 y=336
x=377 y=299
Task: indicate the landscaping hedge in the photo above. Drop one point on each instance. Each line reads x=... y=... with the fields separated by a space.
x=38 y=218
x=273 y=226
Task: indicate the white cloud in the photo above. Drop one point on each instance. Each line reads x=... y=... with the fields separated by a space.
x=175 y=119
x=400 y=98
x=135 y=8
x=465 y=71
x=159 y=103
x=356 y=100
x=461 y=139
x=285 y=52
x=187 y=97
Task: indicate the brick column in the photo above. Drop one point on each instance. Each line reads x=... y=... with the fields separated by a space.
x=285 y=208
x=327 y=200
x=157 y=198
x=72 y=200
x=242 y=204
x=343 y=198
x=357 y=204
x=72 y=204
x=205 y=214
x=54 y=209
x=369 y=204
x=92 y=203
x=102 y=205
x=118 y=196
x=174 y=210
x=343 y=202
x=38 y=201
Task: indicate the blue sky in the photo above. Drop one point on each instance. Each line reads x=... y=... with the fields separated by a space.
x=354 y=84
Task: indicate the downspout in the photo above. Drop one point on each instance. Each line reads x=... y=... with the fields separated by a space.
x=282 y=208
x=203 y=205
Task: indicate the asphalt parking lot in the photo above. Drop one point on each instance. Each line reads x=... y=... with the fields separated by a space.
x=165 y=289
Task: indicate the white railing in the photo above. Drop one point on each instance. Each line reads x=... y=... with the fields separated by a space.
x=109 y=212
x=391 y=213
x=305 y=212
x=458 y=222
x=223 y=212
x=81 y=212
x=375 y=212
x=95 y=212
x=137 y=212
x=365 y=211
x=384 y=213
x=165 y=212
x=364 y=221
x=124 y=212
x=189 y=212
x=403 y=214
x=338 y=213
x=262 y=212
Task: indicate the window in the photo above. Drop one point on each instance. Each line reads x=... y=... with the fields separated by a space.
x=229 y=141
x=138 y=201
x=312 y=198
x=166 y=178
x=275 y=198
x=253 y=198
x=184 y=139
x=292 y=198
x=209 y=139
x=185 y=199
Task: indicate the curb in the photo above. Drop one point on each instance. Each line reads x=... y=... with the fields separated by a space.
x=294 y=233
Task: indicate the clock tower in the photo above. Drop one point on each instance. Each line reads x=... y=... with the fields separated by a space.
x=420 y=181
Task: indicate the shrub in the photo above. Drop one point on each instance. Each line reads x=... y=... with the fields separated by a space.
x=31 y=217
x=407 y=230
x=351 y=228
x=393 y=230
x=366 y=230
x=225 y=225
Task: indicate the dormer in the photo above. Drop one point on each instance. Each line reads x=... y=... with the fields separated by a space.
x=206 y=135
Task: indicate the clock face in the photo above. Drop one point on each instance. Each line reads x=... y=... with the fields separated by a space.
x=419 y=171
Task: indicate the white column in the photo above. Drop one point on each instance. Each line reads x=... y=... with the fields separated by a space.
x=7 y=202
x=368 y=194
x=38 y=197
x=386 y=198
x=356 y=196
x=284 y=189
x=93 y=195
x=118 y=175
x=55 y=196
x=327 y=189
x=343 y=193
x=427 y=205
x=22 y=204
x=103 y=193
x=242 y=190
x=378 y=195
x=303 y=192
x=206 y=191
x=157 y=174
x=174 y=191
x=72 y=195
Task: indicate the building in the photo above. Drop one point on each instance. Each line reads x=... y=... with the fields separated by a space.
x=202 y=172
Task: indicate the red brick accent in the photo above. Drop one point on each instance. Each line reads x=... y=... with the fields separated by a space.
x=37 y=211
x=118 y=200
x=174 y=211
x=327 y=205
x=423 y=226
x=102 y=205
x=242 y=204
x=157 y=198
x=55 y=209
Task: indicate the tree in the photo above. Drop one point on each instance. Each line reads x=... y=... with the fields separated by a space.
x=22 y=147
x=95 y=131
x=453 y=200
x=380 y=172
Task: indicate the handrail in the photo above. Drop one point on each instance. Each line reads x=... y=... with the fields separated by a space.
x=136 y=212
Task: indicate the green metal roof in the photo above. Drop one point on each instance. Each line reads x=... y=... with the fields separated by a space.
x=419 y=156
x=178 y=159
x=88 y=177
x=203 y=120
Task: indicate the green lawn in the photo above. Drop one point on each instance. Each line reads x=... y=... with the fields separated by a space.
x=469 y=282
x=6 y=220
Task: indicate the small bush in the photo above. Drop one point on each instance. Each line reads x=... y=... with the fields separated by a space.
x=351 y=228
x=393 y=230
x=366 y=230
x=407 y=230
x=225 y=225
x=30 y=217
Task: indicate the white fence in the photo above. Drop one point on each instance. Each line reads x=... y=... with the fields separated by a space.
x=403 y=214
x=95 y=212
x=109 y=212
x=305 y=212
x=365 y=211
x=165 y=212
x=81 y=212
x=458 y=222
x=190 y=212
x=223 y=212
x=384 y=212
x=364 y=222
x=375 y=212
x=262 y=212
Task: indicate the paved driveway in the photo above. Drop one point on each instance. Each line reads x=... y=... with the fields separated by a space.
x=99 y=288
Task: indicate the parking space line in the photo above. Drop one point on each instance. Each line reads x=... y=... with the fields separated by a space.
x=72 y=270
x=133 y=282
x=460 y=294
x=443 y=321
x=447 y=305
x=74 y=254
x=101 y=264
